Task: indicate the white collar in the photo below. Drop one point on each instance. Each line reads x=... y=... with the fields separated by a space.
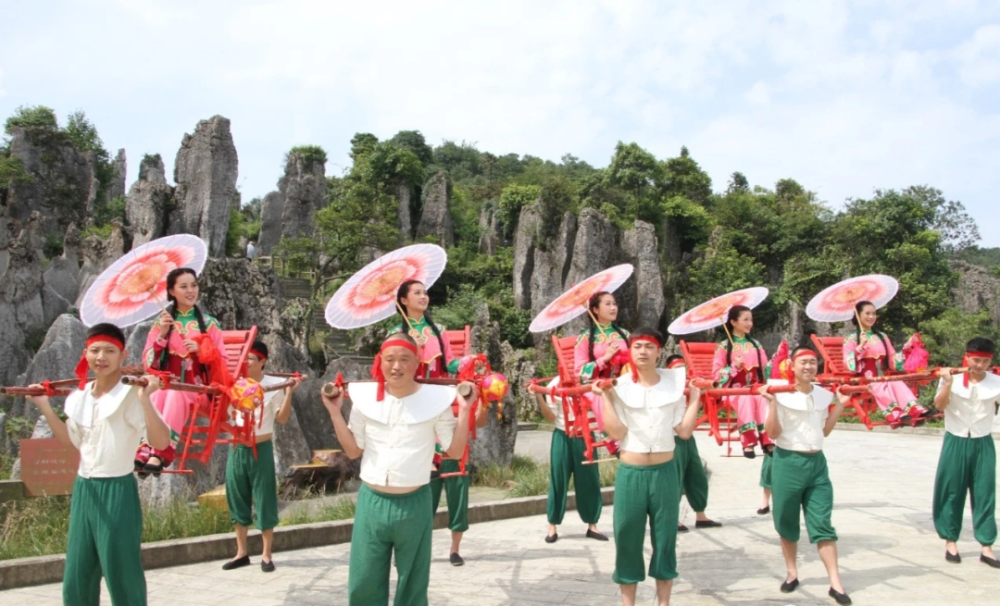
x=796 y=400
x=77 y=409
x=423 y=405
x=669 y=390
x=987 y=390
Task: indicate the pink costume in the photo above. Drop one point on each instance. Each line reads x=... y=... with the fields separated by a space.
x=871 y=360
x=175 y=406
x=430 y=351
x=592 y=369
x=745 y=365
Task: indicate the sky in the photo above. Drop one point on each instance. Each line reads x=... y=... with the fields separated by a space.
x=845 y=97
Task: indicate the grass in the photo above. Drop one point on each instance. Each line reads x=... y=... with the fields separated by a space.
x=6 y=465
x=341 y=509
x=528 y=478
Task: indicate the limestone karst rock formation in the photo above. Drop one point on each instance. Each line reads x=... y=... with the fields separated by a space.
x=290 y=212
x=148 y=200
x=435 y=217
x=63 y=184
x=119 y=168
x=205 y=172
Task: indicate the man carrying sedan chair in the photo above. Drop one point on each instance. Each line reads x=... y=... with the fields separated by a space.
x=106 y=421
x=968 y=460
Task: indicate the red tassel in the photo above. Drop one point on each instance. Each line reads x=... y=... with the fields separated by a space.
x=379 y=377
x=81 y=371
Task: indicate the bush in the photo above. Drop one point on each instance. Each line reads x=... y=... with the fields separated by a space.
x=37 y=116
x=309 y=153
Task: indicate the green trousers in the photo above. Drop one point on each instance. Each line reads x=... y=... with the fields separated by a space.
x=251 y=481
x=765 y=471
x=802 y=480
x=105 y=533
x=691 y=473
x=387 y=525
x=646 y=493
x=566 y=461
x=967 y=465
x=457 y=490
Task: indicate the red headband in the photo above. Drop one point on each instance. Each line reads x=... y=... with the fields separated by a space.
x=377 y=364
x=803 y=352
x=676 y=363
x=83 y=366
x=640 y=339
x=258 y=354
x=965 y=362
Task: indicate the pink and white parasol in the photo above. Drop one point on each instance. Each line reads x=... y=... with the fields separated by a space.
x=134 y=287
x=713 y=312
x=370 y=294
x=573 y=302
x=836 y=303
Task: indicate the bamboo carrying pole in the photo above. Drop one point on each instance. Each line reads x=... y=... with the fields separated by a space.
x=332 y=390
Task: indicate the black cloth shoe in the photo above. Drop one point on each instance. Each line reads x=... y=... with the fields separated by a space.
x=682 y=528
x=593 y=534
x=266 y=566
x=707 y=524
x=840 y=598
x=150 y=468
x=750 y=454
x=763 y=511
x=456 y=560
x=237 y=563
x=789 y=586
x=991 y=562
x=552 y=538
x=954 y=558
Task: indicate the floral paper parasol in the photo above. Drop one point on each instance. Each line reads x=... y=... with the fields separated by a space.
x=134 y=287
x=712 y=313
x=573 y=302
x=836 y=303
x=370 y=294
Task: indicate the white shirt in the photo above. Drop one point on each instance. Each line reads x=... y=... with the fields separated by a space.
x=107 y=430
x=802 y=418
x=971 y=409
x=251 y=251
x=650 y=413
x=398 y=435
x=556 y=406
x=272 y=402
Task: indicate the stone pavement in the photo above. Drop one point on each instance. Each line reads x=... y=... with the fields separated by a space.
x=889 y=551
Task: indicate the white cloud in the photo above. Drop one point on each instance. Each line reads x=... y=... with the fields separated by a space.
x=979 y=57
x=3 y=93
x=757 y=94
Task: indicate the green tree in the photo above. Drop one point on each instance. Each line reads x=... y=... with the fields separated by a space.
x=682 y=176
x=37 y=116
x=361 y=144
x=636 y=172
x=414 y=141
x=513 y=198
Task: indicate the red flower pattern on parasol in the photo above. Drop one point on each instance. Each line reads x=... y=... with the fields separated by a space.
x=370 y=294
x=836 y=303
x=713 y=312
x=134 y=287
x=573 y=302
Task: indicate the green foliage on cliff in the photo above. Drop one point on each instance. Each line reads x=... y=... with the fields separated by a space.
x=309 y=154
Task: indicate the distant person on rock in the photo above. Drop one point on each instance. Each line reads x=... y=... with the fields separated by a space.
x=250 y=475
x=105 y=420
x=690 y=471
x=251 y=251
x=798 y=422
x=393 y=427
x=646 y=412
x=968 y=463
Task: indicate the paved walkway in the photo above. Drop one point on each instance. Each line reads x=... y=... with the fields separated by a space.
x=889 y=551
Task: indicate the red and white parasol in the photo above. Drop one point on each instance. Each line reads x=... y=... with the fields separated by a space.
x=134 y=287
x=370 y=294
x=573 y=302
x=712 y=313
x=836 y=303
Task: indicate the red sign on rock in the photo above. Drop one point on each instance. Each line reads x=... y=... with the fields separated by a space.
x=48 y=467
